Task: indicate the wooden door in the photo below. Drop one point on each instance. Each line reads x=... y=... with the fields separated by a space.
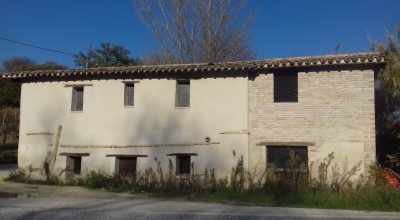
x=127 y=167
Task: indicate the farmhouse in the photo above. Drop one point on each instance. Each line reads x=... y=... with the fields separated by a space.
x=126 y=119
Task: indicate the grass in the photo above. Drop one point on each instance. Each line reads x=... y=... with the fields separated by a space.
x=290 y=189
x=369 y=199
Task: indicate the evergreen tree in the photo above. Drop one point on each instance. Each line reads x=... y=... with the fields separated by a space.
x=106 y=56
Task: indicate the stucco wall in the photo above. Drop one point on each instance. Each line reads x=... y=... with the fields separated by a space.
x=217 y=105
x=335 y=112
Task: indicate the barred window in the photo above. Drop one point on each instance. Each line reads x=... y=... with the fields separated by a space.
x=77 y=99
x=286 y=87
x=182 y=164
x=129 y=94
x=279 y=156
x=182 y=94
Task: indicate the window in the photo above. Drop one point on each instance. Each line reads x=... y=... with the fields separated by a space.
x=129 y=94
x=286 y=87
x=182 y=93
x=278 y=157
x=77 y=99
x=182 y=164
x=74 y=165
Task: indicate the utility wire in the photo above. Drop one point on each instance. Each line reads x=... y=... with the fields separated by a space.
x=37 y=47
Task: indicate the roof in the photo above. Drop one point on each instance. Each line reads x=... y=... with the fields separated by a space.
x=326 y=60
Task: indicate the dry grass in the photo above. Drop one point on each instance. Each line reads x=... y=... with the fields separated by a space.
x=289 y=188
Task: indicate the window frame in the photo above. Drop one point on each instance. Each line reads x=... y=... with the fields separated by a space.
x=179 y=94
x=76 y=104
x=126 y=95
x=282 y=94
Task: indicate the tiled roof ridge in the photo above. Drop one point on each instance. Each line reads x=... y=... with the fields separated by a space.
x=322 y=60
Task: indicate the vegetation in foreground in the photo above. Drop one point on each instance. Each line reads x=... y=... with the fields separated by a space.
x=333 y=189
x=368 y=198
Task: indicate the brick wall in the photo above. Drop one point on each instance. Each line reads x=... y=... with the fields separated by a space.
x=333 y=107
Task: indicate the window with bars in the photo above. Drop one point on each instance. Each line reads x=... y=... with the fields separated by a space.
x=182 y=93
x=182 y=164
x=285 y=157
x=77 y=99
x=286 y=87
x=129 y=94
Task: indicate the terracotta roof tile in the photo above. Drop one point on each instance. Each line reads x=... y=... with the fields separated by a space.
x=343 y=59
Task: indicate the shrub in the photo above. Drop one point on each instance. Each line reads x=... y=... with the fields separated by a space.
x=238 y=176
x=18 y=176
x=295 y=174
x=99 y=180
x=393 y=161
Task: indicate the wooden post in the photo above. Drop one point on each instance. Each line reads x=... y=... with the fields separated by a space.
x=54 y=152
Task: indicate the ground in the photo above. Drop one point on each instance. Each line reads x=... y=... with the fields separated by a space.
x=23 y=201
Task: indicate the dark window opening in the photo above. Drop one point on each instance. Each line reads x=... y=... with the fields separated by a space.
x=182 y=164
x=182 y=93
x=74 y=165
x=77 y=165
x=77 y=99
x=129 y=94
x=286 y=87
x=287 y=157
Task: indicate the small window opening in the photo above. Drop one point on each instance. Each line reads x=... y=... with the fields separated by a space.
x=74 y=165
x=77 y=99
x=183 y=164
x=183 y=93
x=129 y=94
x=286 y=87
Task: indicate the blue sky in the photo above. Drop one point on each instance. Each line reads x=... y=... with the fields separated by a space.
x=282 y=28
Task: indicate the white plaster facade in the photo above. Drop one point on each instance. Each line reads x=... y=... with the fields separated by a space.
x=217 y=105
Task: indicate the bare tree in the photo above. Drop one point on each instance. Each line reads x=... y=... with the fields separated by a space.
x=197 y=30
